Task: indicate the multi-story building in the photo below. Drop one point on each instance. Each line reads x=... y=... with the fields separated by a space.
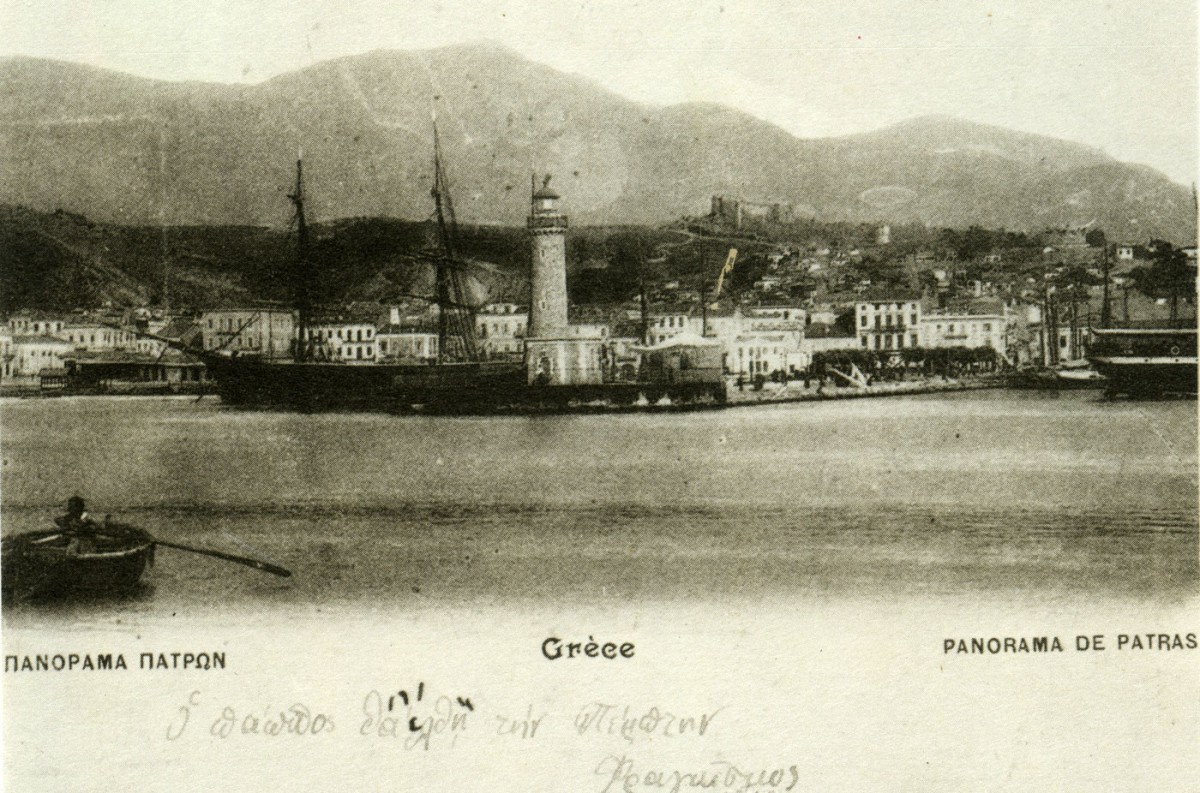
x=7 y=356
x=94 y=336
x=501 y=328
x=33 y=359
x=148 y=346
x=263 y=331
x=670 y=325
x=965 y=330
x=762 y=340
x=351 y=342
x=754 y=354
x=888 y=323
x=400 y=346
x=27 y=323
x=820 y=337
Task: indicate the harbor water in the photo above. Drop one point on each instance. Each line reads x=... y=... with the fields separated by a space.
x=1027 y=495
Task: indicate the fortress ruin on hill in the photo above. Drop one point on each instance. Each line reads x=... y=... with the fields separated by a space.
x=736 y=211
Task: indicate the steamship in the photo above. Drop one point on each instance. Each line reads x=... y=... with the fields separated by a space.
x=1145 y=362
x=559 y=371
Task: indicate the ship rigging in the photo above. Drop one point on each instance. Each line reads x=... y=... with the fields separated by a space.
x=451 y=294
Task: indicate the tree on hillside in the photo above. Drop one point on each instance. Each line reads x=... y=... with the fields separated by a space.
x=885 y=273
x=1170 y=275
x=970 y=244
x=625 y=254
x=1096 y=238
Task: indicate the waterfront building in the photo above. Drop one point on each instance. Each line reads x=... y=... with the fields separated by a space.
x=501 y=329
x=148 y=346
x=128 y=371
x=588 y=330
x=782 y=318
x=756 y=354
x=965 y=330
x=686 y=358
x=1025 y=342
x=1072 y=344
x=349 y=342
x=95 y=336
x=581 y=361
x=769 y=339
x=28 y=323
x=6 y=354
x=888 y=322
x=826 y=337
x=757 y=341
x=663 y=326
x=269 y=332
x=36 y=360
x=823 y=313
x=399 y=345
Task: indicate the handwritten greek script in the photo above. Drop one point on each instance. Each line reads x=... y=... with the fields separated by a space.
x=416 y=724
x=622 y=773
x=600 y=718
x=295 y=720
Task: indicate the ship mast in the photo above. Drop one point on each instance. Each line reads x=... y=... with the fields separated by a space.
x=302 y=285
x=456 y=319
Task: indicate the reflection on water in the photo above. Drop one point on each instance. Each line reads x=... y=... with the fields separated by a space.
x=1034 y=494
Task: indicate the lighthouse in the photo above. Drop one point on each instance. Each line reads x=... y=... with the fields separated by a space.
x=558 y=362
x=548 y=265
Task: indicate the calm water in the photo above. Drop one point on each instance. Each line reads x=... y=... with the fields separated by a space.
x=1022 y=494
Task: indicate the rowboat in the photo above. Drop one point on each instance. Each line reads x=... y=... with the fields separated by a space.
x=1077 y=374
x=57 y=562
x=100 y=559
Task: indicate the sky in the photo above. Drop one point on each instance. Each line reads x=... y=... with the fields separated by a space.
x=1120 y=76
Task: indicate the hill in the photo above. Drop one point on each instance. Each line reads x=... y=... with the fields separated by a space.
x=62 y=261
x=129 y=150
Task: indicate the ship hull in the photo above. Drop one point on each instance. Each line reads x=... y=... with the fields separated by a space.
x=331 y=386
x=468 y=388
x=1146 y=363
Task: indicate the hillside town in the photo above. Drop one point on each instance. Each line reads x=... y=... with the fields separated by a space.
x=783 y=311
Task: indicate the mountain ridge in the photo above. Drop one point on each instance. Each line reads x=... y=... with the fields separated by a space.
x=129 y=149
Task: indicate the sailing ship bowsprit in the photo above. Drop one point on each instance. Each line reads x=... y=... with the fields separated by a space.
x=559 y=369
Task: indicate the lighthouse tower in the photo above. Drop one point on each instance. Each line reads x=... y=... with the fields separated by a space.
x=548 y=277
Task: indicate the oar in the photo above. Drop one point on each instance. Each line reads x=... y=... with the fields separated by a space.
x=266 y=567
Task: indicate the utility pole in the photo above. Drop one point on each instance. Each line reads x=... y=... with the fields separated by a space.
x=1105 y=312
x=1073 y=352
x=645 y=305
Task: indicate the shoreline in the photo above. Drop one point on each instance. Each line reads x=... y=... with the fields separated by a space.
x=773 y=393
x=770 y=394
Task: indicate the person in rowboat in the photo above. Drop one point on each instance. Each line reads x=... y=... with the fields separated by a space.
x=77 y=525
